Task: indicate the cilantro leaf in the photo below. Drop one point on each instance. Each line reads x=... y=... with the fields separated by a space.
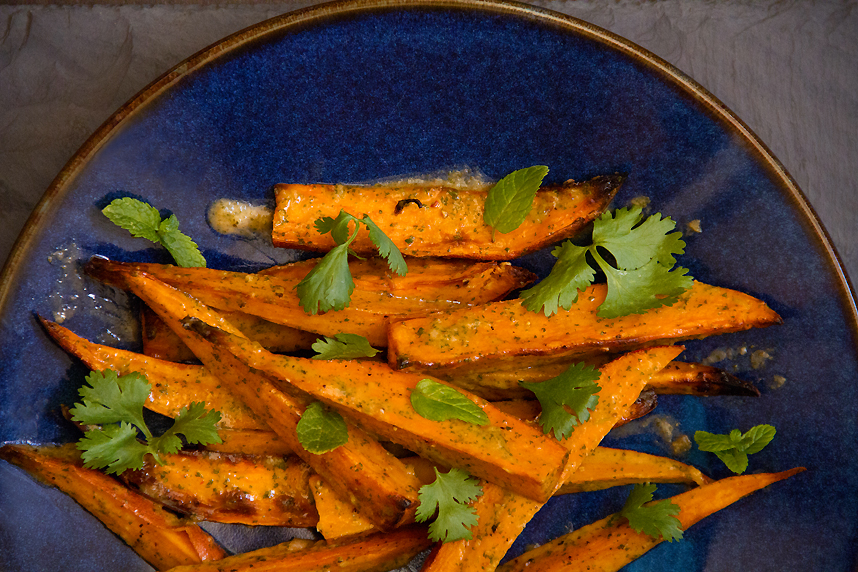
x=449 y=495
x=144 y=221
x=655 y=519
x=116 y=403
x=575 y=390
x=733 y=449
x=343 y=346
x=438 y=402
x=640 y=277
x=511 y=199
x=321 y=430
x=570 y=274
x=329 y=284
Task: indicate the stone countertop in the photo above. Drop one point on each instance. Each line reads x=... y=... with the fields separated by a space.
x=789 y=70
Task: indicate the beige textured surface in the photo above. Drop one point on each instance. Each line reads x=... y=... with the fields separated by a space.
x=788 y=69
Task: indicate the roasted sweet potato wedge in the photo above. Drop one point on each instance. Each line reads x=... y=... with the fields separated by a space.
x=361 y=470
x=379 y=552
x=238 y=489
x=437 y=221
x=678 y=378
x=503 y=514
x=506 y=450
x=610 y=543
x=160 y=538
x=506 y=336
x=273 y=297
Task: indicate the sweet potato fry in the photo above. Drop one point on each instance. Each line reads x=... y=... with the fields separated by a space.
x=240 y=489
x=503 y=514
x=678 y=378
x=506 y=450
x=609 y=544
x=379 y=552
x=160 y=538
x=361 y=470
x=273 y=296
x=505 y=335
x=437 y=221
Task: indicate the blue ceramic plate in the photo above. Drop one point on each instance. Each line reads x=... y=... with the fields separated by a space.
x=368 y=90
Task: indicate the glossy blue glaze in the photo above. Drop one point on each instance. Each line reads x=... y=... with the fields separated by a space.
x=379 y=93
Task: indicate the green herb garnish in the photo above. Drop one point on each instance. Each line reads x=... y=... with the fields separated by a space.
x=321 y=430
x=656 y=519
x=566 y=399
x=641 y=277
x=144 y=221
x=343 y=346
x=735 y=447
x=450 y=494
x=329 y=284
x=116 y=403
x=509 y=201
x=438 y=402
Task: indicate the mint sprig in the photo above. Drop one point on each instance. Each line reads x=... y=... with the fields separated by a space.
x=144 y=221
x=509 y=201
x=321 y=430
x=733 y=449
x=438 y=402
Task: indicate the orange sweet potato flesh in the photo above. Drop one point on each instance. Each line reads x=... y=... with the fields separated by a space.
x=273 y=296
x=362 y=470
x=609 y=544
x=234 y=489
x=375 y=553
x=678 y=378
x=160 y=538
x=450 y=222
x=505 y=335
x=503 y=514
x=506 y=451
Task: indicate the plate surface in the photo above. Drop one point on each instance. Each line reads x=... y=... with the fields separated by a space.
x=361 y=91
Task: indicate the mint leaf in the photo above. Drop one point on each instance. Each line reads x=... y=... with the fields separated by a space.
x=321 y=430
x=449 y=495
x=570 y=274
x=144 y=221
x=343 y=346
x=511 y=199
x=116 y=403
x=733 y=449
x=657 y=520
x=640 y=276
x=438 y=402
x=329 y=284
x=566 y=399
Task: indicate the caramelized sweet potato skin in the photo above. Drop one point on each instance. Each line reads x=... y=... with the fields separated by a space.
x=505 y=335
x=236 y=489
x=375 y=553
x=160 y=538
x=448 y=222
x=610 y=543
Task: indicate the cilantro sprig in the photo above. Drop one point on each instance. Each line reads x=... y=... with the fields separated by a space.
x=566 y=399
x=438 y=402
x=321 y=430
x=510 y=199
x=144 y=221
x=449 y=494
x=343 y=346
x=116 y=404
x=640 y=278
x=329 y=284
x=655 y=519
x=733 y=449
